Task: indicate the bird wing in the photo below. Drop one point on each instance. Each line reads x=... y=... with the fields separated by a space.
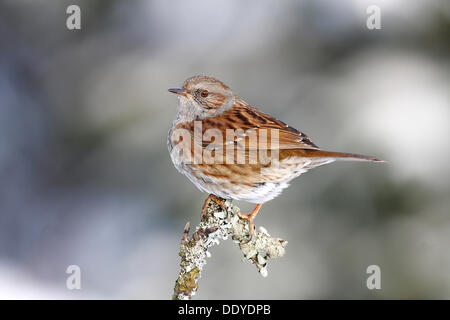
x=246 y=122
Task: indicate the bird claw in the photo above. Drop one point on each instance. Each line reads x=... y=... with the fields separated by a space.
x=250 y=217
x=216 y=199
x=251 y=226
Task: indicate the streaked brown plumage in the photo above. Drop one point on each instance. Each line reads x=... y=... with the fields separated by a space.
x=210 y=106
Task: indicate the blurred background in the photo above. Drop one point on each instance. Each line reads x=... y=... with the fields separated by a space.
x=86 y=178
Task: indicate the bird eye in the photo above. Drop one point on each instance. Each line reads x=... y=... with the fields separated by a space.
x=204 y=93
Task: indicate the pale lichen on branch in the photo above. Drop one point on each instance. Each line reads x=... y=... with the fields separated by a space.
x=219 y=224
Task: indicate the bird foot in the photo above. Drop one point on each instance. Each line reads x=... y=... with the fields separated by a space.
x=250 y=217
x=216 y=199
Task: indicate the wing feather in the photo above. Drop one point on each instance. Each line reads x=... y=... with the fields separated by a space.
x=246 y=121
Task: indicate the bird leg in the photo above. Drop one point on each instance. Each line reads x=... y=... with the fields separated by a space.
x=219 y=201
x=250 y=217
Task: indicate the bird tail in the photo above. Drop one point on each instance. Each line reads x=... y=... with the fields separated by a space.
x=313 y=153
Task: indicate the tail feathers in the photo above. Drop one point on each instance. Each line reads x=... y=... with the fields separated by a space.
x=312 y=153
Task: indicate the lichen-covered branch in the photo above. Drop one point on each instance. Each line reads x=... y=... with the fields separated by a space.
x=219 y=224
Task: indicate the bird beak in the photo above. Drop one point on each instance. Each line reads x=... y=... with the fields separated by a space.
x=179 y=91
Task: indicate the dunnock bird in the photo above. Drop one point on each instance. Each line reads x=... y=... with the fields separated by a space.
x=208 y=111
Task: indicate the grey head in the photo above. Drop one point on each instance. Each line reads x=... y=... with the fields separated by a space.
x=201 y=97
